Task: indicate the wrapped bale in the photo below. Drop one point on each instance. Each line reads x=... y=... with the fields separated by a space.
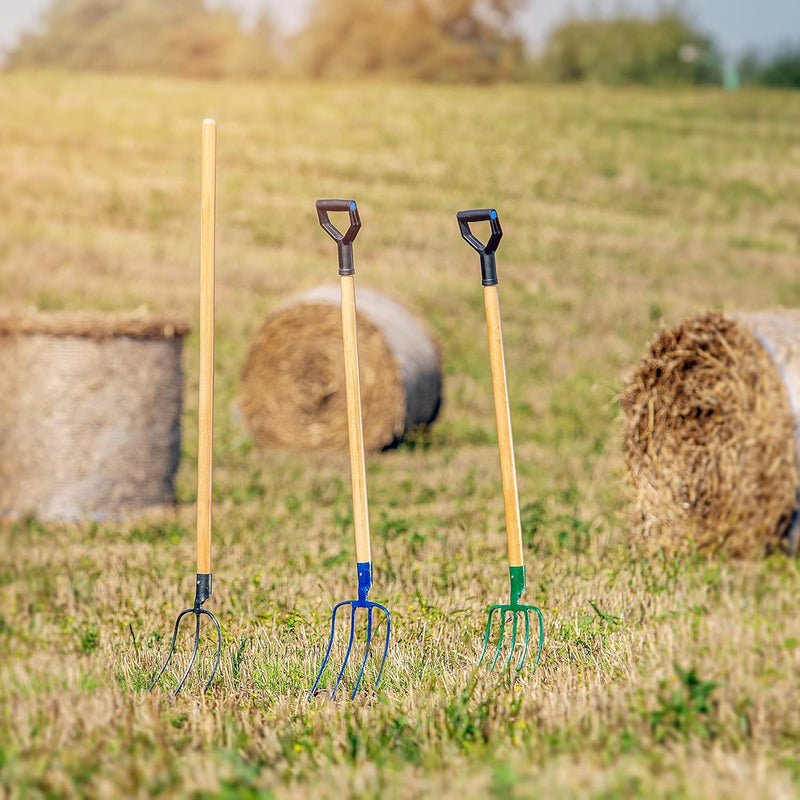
x=89 y=414
x=711 y=434
x=291 y=392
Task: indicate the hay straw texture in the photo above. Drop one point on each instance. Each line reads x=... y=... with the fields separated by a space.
x=291 y=392
x=710 y=434
x=89 y=414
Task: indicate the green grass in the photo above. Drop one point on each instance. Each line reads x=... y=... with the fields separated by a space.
x=622 y=210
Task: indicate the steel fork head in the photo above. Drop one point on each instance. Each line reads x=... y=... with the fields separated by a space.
x=516 y=611
x=370 y=607
x=364 y=569
x=203 y=593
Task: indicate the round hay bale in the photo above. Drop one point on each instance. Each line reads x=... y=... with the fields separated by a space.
x=89 y=413
x=291 y=392
x=711 y=434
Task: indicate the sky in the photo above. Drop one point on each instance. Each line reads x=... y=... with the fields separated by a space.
x=734 y=24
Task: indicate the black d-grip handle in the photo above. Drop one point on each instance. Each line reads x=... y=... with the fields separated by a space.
x=344 y=241
x=486 y=251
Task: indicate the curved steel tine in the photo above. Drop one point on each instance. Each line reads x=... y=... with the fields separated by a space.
x=366 y=650
x=513 y=638
x=349 y=648
x=541 y=637
x=488 y=632
x=385 y=646
x=526 y=613
x=194 y=654
x=328 y=651
x=219 y=647
x=500 y=639
x=171 y=647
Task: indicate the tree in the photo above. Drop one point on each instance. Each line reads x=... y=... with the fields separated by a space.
x=631 y=49
x=181 y=37
x=783 y=69
x=446 y=40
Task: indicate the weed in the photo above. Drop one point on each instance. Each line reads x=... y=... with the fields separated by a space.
x=686 y=711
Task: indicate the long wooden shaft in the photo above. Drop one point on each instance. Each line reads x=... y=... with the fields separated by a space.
x=502 y=414
x=355 y=429
x=208 y=191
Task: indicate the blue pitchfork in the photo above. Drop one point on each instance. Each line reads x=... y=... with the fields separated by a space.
x=355 y=433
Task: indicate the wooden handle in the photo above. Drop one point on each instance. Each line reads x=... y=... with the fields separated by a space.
x=208 y=191
x=355 y=430
x=502 y=414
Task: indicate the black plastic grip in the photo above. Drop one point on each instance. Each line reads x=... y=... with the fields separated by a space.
x=487 y=250
x=344 y=241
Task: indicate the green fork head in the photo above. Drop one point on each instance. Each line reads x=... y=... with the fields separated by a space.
x=518 y=613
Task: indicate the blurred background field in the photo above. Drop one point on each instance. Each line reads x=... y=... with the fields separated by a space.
x=623 y=209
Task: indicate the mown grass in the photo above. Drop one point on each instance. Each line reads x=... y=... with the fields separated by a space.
x=660 y=677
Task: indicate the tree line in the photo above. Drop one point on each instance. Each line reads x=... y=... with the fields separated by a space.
x=432 y=40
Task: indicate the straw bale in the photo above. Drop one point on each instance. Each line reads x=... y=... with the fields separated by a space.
x=291 y=392
x=89 y=414
x=711 y=434
x=91 y=325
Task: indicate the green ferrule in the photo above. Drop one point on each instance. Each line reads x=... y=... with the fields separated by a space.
x=517 y=583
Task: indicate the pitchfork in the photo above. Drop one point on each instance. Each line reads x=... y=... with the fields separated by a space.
x=355 y=434
x=491 y=299
x=206 y=409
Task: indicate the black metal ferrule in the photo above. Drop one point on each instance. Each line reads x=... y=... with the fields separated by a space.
x=488 y=269
x=346 y=263
x=486 y=251
x=202 y=588
x=344 y=241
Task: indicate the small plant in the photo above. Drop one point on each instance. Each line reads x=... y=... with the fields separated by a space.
x=89 y=638
x=686 y=711
x=238 y=658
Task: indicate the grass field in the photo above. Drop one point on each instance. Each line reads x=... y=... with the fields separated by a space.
x=622 y=210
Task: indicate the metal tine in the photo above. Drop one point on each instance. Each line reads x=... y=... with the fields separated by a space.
x=219 y=647
x=513 y=638
x=349 y=648
x=371 y=626
x=502 y=610
x=541 y=637
x=328 y=651
x=194 y=653
x=500 y=638
x=171 y=648
x=198 y=613
x=366 y=651
x=487 y=634
x=369 y=641
x=527 y=639
x=385 y=646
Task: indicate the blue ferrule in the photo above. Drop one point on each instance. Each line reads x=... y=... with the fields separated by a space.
x=364 y=579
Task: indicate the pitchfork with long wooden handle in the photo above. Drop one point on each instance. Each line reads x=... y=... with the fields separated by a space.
x=505 y=444
x=205 y=430
x=355 y=432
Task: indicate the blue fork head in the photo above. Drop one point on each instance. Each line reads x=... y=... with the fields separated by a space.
x=202 y=594
x=364 y=585
x=518 y=612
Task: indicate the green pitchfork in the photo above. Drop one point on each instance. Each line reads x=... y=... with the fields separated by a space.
x=514 y=608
